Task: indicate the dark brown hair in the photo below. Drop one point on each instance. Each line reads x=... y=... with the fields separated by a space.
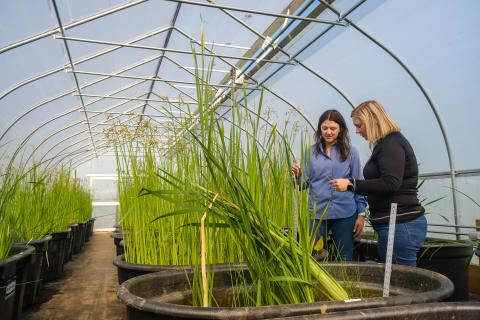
x=343 y=140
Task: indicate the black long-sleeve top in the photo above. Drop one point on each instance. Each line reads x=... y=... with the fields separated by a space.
x=391 y=175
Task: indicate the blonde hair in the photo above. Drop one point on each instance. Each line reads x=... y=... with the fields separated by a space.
x=378 y=123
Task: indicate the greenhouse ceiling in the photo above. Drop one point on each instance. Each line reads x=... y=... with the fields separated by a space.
x=73 y=69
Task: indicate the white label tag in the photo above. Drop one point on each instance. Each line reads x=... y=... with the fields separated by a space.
x=389 y=253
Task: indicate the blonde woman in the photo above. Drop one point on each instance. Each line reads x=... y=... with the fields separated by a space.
x=391 y=175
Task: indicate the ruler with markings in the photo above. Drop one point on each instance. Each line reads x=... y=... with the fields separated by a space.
x=388 y=259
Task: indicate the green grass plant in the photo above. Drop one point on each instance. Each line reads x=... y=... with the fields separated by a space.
x=9 y=182
x=35 y=203
x=251 y=194
x=240 y=175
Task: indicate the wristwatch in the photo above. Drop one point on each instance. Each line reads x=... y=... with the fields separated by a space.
x=351 y=185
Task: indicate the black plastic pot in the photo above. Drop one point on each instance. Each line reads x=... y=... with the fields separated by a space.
x=70 y=246
x=91 y=224
x=83 y=231
x=13 y=276
x=88 y=229
x=117 y=237
x=165 y=294
x=365 y=250
x=77 y=239
x=121 y=247
x=55 y=257
x=118 y=228
x=126 y=271
x=34 y=280
x=450 y=259
x=437 y=311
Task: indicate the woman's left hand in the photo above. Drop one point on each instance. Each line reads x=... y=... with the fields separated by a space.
x=339 y=184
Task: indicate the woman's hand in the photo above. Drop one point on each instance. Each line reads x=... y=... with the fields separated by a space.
x=358 y=228
x=339 y=184
x=296 y=169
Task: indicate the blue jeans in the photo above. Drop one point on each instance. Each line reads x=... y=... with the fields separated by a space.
x=409 y=237
x=342 y=234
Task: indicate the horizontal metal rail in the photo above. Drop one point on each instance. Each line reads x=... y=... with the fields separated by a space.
x=263 y=13
x=450 y=225
x=447 y=174
x=452 y=233
x=135 y=99
x=151 y=79
x=136 y=46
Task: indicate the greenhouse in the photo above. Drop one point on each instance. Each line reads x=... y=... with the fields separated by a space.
x=218 y=159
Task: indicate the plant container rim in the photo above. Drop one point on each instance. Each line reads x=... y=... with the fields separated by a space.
x=119 y=261
x=28 y=250
x=177 y=310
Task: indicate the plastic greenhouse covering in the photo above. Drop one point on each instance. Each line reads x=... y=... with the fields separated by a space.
x=72 y=69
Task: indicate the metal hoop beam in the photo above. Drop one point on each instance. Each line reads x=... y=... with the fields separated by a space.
x=67 y=49
x=160 y=60
x=54 y=118
x=96 y=55
x=68 y=26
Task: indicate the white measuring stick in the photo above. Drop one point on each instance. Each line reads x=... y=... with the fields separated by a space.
x=388 y=260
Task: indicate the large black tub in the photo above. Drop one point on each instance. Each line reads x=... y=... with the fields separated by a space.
x=437 y=311
x=166 y=295
x=13 y=276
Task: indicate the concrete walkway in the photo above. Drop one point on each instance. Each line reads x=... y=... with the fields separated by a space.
x=87 y=289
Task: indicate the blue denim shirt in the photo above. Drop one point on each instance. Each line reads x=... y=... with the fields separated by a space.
x=340 y=204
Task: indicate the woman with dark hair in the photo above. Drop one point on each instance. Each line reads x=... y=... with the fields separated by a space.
x=391 y=176
x=333 y=157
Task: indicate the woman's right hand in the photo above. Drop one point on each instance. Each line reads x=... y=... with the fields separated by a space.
x=296 y=169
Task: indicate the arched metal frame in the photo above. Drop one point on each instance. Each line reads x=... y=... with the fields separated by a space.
x=342 y=20
x=129 y=99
